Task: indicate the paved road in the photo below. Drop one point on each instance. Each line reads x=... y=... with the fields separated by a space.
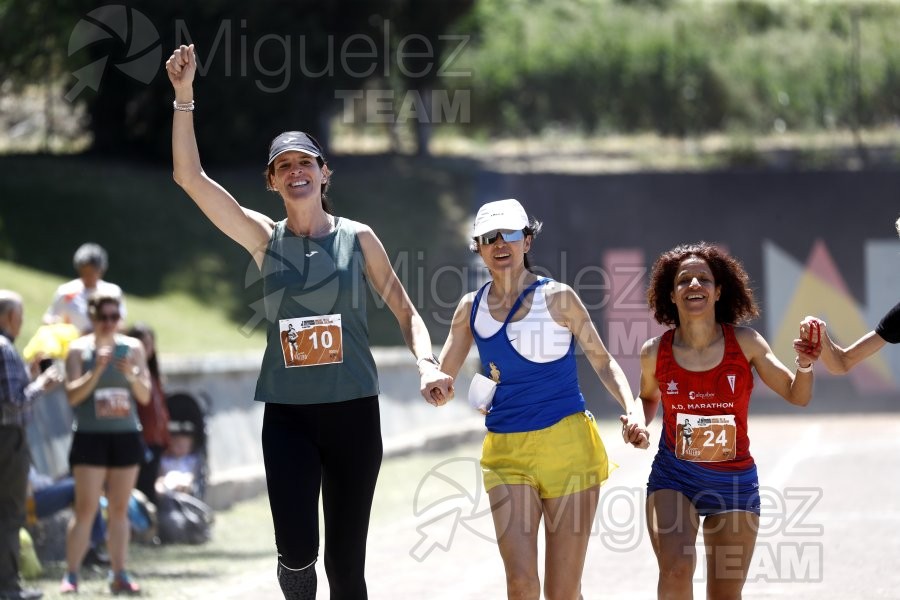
x=830 y=528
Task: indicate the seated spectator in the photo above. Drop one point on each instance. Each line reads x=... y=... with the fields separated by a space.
x=187 y=414
x=47 y=498
x=183 y=517
x=179 y=467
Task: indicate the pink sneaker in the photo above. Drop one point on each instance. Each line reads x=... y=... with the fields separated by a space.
x=68 y=586
x=122 y=584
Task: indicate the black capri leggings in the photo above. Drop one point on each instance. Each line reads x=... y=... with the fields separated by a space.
x=337 y=448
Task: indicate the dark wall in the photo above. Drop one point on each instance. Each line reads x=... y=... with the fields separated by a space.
x=769 y=220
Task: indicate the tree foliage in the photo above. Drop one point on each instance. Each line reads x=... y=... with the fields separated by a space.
x=681 y=67
x=265 y=66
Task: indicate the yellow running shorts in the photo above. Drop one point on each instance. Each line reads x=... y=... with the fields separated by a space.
x=565 y=458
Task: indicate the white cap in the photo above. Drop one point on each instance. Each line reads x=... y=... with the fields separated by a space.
x=501 y=214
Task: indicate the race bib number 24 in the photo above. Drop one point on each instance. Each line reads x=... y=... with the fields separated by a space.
x=705 y=438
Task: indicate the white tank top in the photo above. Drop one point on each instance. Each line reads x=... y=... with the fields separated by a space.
x=537 y=337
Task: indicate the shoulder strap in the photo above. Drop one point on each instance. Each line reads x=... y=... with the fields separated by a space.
x=731 y=344
x=475 y=304
x=665 y=345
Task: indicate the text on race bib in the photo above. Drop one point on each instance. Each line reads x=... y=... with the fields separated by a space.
x=311 y=341
x=112 y=403
x=705 y=438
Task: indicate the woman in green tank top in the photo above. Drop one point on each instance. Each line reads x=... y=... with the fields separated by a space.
x=106 y=376
x=321 y=430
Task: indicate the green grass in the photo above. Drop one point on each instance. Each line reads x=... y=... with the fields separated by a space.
x=183 y=324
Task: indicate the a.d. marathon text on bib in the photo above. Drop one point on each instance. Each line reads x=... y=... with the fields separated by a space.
x=311 y=341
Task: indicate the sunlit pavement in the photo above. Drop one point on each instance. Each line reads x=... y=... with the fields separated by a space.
x=830 y=528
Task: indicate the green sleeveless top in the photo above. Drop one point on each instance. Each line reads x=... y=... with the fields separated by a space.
x=111 y=407
x=315 y=289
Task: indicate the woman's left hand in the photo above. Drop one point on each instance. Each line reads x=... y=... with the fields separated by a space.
x=128 y=367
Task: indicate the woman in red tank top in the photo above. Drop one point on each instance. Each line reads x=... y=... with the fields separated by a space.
x=701 y=372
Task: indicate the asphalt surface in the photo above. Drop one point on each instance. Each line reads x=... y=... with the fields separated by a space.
x=830 y=528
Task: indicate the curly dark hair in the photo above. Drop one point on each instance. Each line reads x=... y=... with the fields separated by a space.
x=736 y=303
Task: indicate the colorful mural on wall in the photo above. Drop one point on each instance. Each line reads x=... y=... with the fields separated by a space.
x=795 y=288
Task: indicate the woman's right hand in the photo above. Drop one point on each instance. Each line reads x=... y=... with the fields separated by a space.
x=181 y=67
x=104 y=357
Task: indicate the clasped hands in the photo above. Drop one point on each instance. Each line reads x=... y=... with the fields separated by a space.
x=634 y=432
x=436 y=386
x=809 y=345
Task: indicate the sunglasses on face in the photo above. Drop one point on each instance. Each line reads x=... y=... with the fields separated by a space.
x=109 y=317
x=490 y=237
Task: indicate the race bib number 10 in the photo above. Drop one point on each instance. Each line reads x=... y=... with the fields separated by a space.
x=705 y=439
x=310 y=341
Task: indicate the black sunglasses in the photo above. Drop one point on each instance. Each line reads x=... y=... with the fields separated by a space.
x=109 y=317
x=490 y=237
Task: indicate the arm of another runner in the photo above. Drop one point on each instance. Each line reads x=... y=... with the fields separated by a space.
x=568 y=309
x=840 y=360
x=459 y=339
x=248 y=228
x=433 y=382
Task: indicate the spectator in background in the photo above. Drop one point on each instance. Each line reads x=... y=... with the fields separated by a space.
x=70 y=303
x=16 y=396
x=47 y=497
x=106 y=377
x=182 y=515
x=154 y=415
x=180 y=464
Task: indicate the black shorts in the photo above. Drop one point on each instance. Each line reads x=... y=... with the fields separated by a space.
x=107 y=449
